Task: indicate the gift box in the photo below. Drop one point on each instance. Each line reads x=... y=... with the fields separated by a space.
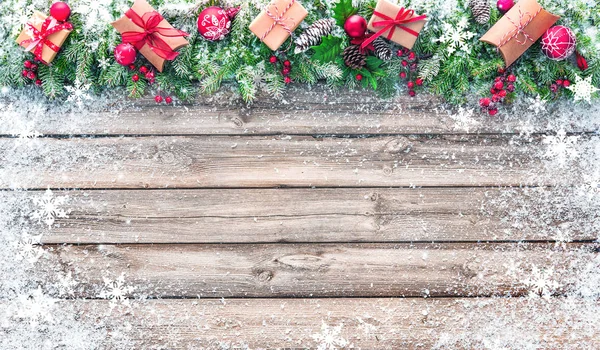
x=277 y=22
x=396 y=23
x=150 y=33
x=518 y=29
x=44 y=36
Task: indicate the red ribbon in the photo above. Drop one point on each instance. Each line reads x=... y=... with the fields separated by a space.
x=360 y=41
x=40 y=37
x=402 y=17
x=150 y=34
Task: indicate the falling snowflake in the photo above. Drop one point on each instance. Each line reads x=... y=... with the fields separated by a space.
x=104 y=63
x=561 y=147
x=330 y=337
x=457 y=36
x=28 y=248
x=561 y=238
x=66 y=284
x=537 y=105
x=464 y=120
x=49 y=207
x=116 y=291
x=583 y=89
x=35 y=307
x=541 y=282
x=78 y=93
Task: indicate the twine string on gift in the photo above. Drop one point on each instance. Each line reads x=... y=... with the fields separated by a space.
x=39 y=38
x=390 y=24
x=151 y=33
x=519 y=29
x=279 y=19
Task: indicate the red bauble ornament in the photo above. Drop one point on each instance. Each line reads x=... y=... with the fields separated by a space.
x=168 y=100
x=505 y=5
x=125 y=54
x=359 y=77
x=558 y=43
x=355 y=26
x=214 y=23
x=135 y=77
x=273 y=59
x=287 y=80
x=60 y=11
x=158 y=98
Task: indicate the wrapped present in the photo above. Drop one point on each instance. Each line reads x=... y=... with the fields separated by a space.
x=519 y=28
x=150 y=33
x=43 y=36
x=395 y=23
x=277 y=22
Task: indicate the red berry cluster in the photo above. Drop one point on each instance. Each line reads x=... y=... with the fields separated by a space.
x=410 y=66
x=285 y=71
x=168 y=99
x=148 y=73
x=503 y=85
x=558 y=84
x=30 y=72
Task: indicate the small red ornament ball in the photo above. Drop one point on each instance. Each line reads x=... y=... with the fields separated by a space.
x=135 y=77
x=158 y=98
x=359 y=77
x=558 y=43
x=505 y=5
x=273 y=59
x=168 y=100
x=214 y=23
x=125 y=54
x=60 y=11
x=355 y=26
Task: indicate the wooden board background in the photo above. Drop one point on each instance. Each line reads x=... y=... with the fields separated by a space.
x=258 y=224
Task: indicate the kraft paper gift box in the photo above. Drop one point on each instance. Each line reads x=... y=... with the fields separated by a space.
x=405 y=34
x=519 y=28
x=174 y=42
x=289 y=13
x=58 y=38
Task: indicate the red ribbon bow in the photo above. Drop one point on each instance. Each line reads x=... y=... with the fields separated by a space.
x=360 y=41
x=402 y=17
x=40 y=37
x=151 y=33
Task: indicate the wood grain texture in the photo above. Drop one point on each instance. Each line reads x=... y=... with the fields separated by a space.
x=352 y=323
x=301 y=111
x=302 y=215
x=310 y=270
x=195 y=162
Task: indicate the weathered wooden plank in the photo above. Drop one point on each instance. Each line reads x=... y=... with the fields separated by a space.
x=301 y=111
x=302 y=216
x=311 y=270
x=346 y=323
x=193 y=162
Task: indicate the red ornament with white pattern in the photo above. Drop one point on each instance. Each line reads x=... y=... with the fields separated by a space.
x=558 y=43
x=214 y=23
x=125 y=54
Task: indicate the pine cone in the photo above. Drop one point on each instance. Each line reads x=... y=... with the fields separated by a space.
x=313 y=34
x=382 y=49
x=480 y=10
x=354 y=58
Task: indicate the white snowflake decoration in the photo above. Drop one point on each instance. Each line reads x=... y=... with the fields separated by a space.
x=583 y=89
x=116 y=291
x=537 y=105
x=456 y=36
x=49 y=208
x=66 y=284
x=28 y=248
x=541 y=282
x=330 y=337
x=104 y=63
x=561 y=147
x=464 y=120
x=78 y=93
x=35 y=307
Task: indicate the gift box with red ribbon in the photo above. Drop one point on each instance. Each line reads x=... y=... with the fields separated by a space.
x=395 y=23
x=43 y=36
x=150 y=33
x=520 y=27
x=277 y=22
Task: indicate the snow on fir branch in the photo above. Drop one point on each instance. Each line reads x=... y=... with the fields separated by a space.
x=459 y=66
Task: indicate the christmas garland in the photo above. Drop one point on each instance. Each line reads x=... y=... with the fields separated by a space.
x=188 y=47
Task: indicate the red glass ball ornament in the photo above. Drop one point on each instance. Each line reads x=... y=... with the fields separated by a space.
x=214 y=23
x=355 y=26
x=60 y=11
x=125 y=54
x=505 y=5
x=558 y=43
